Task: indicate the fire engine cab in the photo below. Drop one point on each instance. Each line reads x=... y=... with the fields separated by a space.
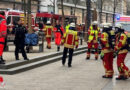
x=12 y=16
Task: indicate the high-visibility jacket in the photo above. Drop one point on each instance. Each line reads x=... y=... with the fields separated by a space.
x=93 y=34
x=67 y=27
x=70 y=39
x=105 y=43
x=3 y=28
x=121 y=43
x=48 y=30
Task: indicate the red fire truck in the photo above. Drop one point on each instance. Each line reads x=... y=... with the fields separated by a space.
x=13 y=16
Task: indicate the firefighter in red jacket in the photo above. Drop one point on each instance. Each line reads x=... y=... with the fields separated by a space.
x=48 y=32
x=3 y=33
x=59 y=31
x=94 y=34
x=121 y=48
x=107 y=51
x=70 y=40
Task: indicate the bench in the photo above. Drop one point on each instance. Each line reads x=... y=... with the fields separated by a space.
x=10 y=41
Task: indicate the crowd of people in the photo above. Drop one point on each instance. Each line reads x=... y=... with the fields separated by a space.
x=110 y=49
x=70 y=39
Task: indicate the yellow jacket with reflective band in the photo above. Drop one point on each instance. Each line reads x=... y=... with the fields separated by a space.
x=121 y=42
x=70 y=39
x=48 y=30
x=67 y=27
x=105 y=42
x=93 y=33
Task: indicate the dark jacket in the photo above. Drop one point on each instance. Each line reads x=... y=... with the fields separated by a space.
x=19 y=32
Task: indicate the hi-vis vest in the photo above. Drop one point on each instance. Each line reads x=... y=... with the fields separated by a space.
x=70 y=39
x=93 y=33
x=48 y=30
x=67 y=27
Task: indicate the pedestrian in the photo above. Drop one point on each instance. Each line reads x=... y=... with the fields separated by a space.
x=107 y=50
x=48 y=32
x=70 y=40
x=121 y=49
x=3 y=33
x=94 y=34
x=19 y=30
x=59 y=31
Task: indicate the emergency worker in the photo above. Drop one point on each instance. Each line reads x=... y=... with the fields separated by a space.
x=67 y=26
x=107 y=51
x=121 y=49
x=3 y=33
x=48 y=32
x=70 y=40
x=59 y=31
x=94 y=34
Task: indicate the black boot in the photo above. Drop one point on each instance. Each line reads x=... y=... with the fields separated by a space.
x=58 y=48
x=1 y=60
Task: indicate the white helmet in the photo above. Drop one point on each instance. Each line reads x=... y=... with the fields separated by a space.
x=118 y=26
x=72 y=24
x=48 y=22
x=109 y=24
x=105 y=25
x=94 y=23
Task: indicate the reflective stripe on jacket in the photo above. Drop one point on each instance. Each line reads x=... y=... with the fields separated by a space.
x=70 y=39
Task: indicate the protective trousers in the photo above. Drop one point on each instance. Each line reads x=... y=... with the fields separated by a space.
x=108 y=64
x=122 y=68
x=48 y=39
x=90 y=44
x=1 y=49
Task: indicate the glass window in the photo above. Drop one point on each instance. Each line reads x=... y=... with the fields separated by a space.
x=8 y=20
x=15 y=19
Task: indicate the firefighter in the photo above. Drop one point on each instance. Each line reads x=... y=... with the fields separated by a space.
x=70 y=40
x=107 y=50
x=121 y=49
x=67 y=26
x=3 y=33
x=58 y=34
x=94 y=34
x=48 y=32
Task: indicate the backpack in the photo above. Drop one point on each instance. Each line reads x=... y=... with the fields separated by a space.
x=31 y=39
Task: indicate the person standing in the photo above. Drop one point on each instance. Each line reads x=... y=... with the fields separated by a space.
x=19 y=30
x=94 y=34
x=70 y=40
x=3 y=34
x=59 y=31
x=121 y=49
x=48 y=32
x=107 y=50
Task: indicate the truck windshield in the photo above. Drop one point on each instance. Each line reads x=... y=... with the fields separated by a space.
x=15 y=19
x=8 y=20
x=126 y=27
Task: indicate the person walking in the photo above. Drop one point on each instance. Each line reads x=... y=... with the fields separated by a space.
x=3 y=34
x=48 y=32
x=121 y=49
x=70 y=40
x=19 y=30
x=107 y=50
x=59 y=31
x=94 y=34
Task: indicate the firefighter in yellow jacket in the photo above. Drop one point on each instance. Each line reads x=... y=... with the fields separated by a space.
x=121 y=49
x=94 y=34
x=48 y=32
x=107 y=51
x=70 y=40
